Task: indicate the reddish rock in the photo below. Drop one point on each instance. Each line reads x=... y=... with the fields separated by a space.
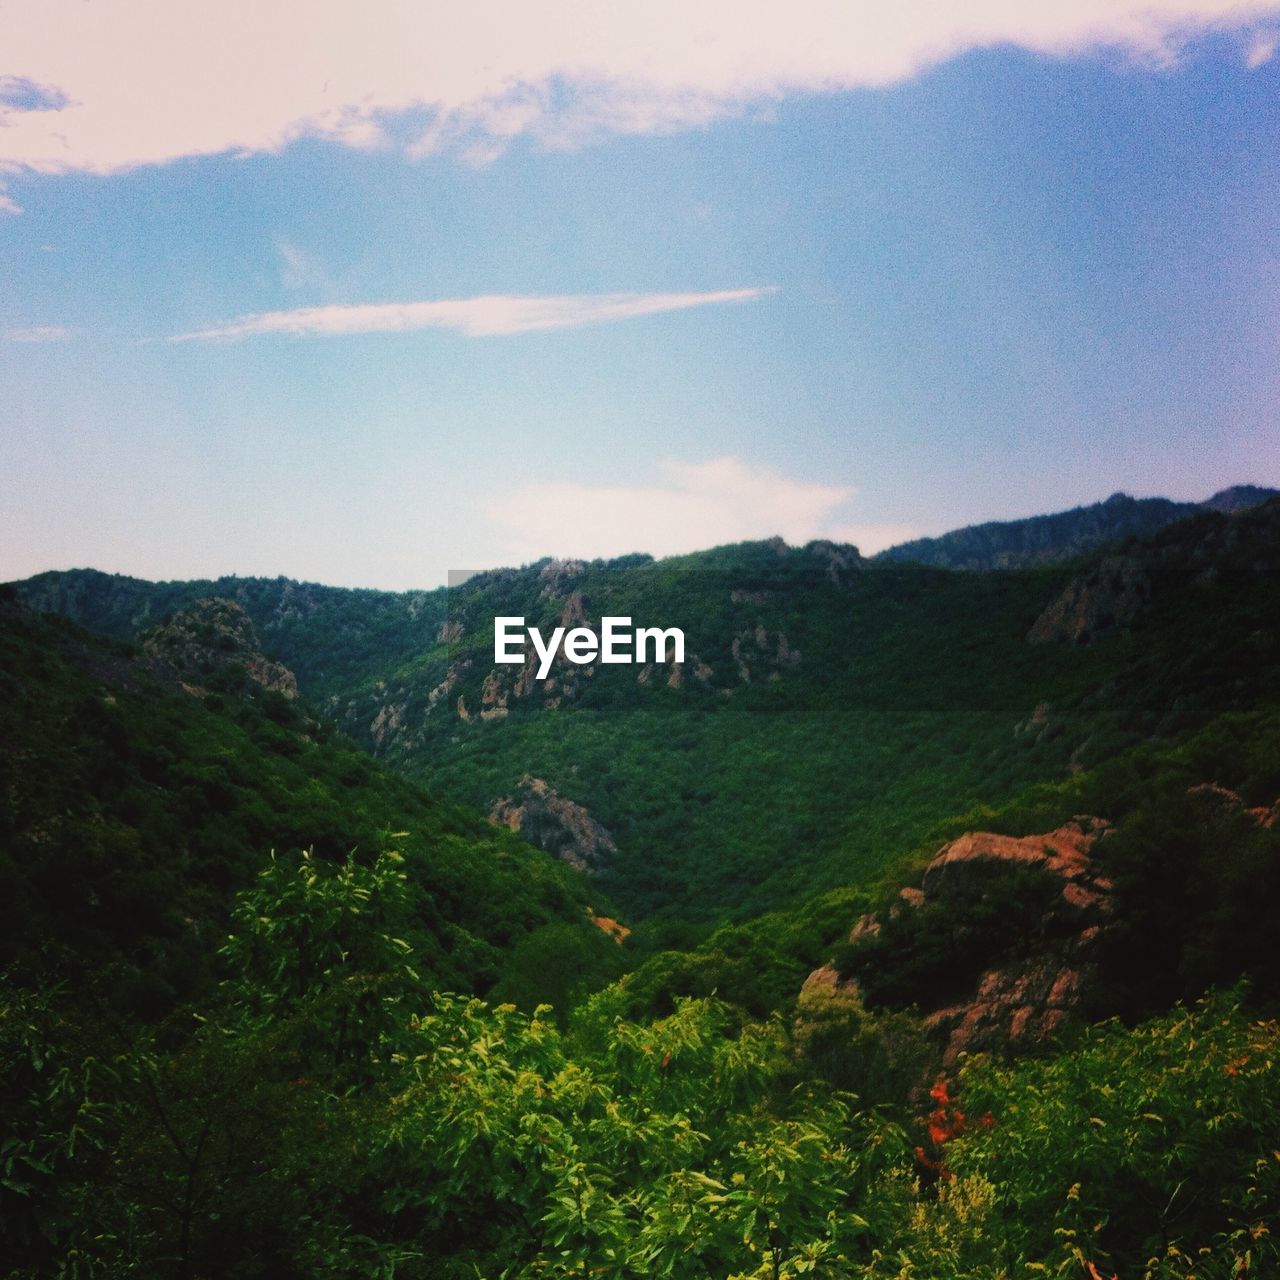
x=1021 y=1001
x=561 y=827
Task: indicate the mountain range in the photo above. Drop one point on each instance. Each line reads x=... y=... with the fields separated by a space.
x=866 y=940
x=1014 y=544
x=830 y=711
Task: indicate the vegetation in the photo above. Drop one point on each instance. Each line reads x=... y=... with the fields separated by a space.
x=132 y=810
x=270 y=1008
x=331 y=1116
x=877 y=700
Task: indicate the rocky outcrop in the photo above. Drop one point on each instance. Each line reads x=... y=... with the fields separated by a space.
x=842 y=562
x=211 y=640
x=758 y=652
x=1228 y=803
x=1018 y=1007
x=561 y=827
x=615 y=929
x=556 y=574
x=387 y=724
x=1110 y=595
x=1024 y=996
x=1065 y=853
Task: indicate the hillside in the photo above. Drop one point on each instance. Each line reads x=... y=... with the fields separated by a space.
x=136 y=803
x=830 y=711
x=1029 y=799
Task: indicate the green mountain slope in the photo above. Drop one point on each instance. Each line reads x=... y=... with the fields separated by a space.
x=133 y=806
x=831 y=722
x=829 y=712
x=329 y=637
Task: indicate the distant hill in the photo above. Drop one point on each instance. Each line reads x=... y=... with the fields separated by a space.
x=1014 y=544
x=329 y=637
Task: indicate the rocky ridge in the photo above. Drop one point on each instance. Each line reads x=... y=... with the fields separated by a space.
x=210 y=639
x=547 y=819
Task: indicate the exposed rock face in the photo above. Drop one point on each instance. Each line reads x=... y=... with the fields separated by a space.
x=1064 y=852
x=387 y=723
x=209 y=639
x=1036 y=725
x=555 y=574
x=842 y=560
x=1019 y=1006
x=1108 y=596
x=561 y=827
x=1018 y=1001
x=1227 y=802
x=758 y=651
x=614 y=928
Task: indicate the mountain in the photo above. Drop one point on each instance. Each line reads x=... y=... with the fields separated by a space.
x=1012 y=544
x=329 y=637
x=829 y=713
x=982 y=811
x=142 y=786
x=1239 y=497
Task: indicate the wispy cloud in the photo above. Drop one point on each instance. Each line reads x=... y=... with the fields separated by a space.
x=1262 y=48
x=298 y=269
x=694 y=505
x=490 y=315
x=101 y=88
x=39 y=333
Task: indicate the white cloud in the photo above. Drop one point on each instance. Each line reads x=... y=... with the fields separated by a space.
x=39 y=333
x=695 y=505
x=106 y=87
x=1262 y=48
x=297 y=267
x=486 y=316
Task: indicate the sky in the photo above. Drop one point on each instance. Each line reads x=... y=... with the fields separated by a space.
x=360 y=294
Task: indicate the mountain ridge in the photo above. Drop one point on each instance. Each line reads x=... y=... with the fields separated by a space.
x=829 y=710
x=1061 y=535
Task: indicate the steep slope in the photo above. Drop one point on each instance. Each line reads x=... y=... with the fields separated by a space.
x=829 y=712
x=133 y=804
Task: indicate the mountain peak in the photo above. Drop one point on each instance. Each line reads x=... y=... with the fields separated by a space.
x=1238 y=497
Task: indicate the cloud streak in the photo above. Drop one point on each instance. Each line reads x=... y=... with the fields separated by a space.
x=695 y=505
x=102 y=88
x=39 y=333
x=491 y=315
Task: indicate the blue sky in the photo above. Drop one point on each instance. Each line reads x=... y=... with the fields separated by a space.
x=859 y=290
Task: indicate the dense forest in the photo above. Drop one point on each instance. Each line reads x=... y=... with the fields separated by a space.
x=921 y=924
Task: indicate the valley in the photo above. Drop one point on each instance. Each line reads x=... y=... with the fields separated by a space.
x=475 y=964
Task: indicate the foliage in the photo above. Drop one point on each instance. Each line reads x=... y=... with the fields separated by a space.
x=253 y=1068
x=131 y=812
x=1150 y=1149
x=476 y=1139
